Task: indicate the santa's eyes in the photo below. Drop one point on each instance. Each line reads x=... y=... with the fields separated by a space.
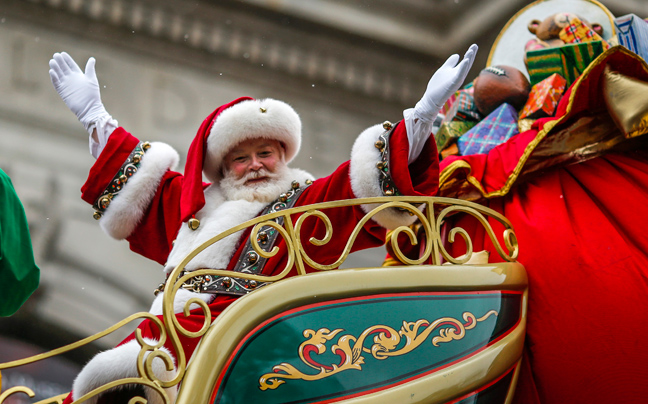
x=244 y=158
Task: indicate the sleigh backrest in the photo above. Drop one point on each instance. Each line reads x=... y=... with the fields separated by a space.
x=414 y=333
x=420 y=334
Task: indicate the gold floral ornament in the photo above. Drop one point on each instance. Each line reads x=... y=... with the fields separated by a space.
x=350 y=349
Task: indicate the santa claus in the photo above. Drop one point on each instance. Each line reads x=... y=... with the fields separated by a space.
x=244 y=148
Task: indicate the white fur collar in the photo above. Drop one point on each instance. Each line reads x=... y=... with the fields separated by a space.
x=216 y=216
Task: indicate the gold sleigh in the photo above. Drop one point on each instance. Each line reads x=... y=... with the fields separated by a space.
x=424 y=332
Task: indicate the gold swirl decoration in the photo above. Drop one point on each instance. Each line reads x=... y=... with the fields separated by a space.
x=350 y=348
x=423 y=208
x=509 y=238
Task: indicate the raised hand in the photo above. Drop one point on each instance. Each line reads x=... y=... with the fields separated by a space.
x=445 y=82
x=79 y=90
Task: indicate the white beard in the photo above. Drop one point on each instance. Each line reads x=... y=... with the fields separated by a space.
x=267 y=191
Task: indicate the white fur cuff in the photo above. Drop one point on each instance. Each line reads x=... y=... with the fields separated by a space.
x=365 y=178
x=127 y=208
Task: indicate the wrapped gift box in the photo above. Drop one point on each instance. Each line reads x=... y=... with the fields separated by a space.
x=499 y=126
x=569 y=61
x=542 y=63
x=448 y=104
x=632 y=32
x=470 y=88
x=436 y=125
x=463 y=108
x=450 y=132
x=577 y=32
x=452 y=150
x=544 y=97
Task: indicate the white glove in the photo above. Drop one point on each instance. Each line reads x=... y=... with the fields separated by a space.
x=79 y=90
x=445 y=82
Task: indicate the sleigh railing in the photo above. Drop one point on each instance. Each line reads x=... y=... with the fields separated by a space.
x=415 y=333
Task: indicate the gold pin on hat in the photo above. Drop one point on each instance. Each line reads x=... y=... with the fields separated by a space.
x=263 y=110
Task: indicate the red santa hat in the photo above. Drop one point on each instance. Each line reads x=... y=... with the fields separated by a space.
x=242 y=119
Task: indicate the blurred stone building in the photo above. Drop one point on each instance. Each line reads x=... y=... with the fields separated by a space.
x=163 y=66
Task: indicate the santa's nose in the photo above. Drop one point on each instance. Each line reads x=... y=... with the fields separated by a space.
x=255 y=165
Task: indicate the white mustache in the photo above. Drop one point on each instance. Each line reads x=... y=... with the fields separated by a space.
x=252 y=175
x=262 y=191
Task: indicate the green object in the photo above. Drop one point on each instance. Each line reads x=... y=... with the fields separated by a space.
x=19 y=274
x=449 y=132
x=568 y=60
x=277 y=344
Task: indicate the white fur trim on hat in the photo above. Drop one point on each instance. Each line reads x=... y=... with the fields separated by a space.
x=127 y=209
x=365 y=178
x=251 y=119
x=119 y=363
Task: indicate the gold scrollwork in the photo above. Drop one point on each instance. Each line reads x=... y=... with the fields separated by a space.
x=354 y=234
x=510 y=240
x=423 y=208
x=53 y=400
x=17 y=389
x=350 y=348
x=147 y=377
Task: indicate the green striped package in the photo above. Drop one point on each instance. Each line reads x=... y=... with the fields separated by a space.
x=569 y=61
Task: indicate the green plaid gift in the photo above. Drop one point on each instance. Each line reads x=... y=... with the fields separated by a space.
x=568 y=61
x=449 y=132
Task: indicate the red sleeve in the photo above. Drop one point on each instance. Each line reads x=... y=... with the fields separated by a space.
x=154 y=234
x=153 y=238
x=120 y=145
x=421 y=178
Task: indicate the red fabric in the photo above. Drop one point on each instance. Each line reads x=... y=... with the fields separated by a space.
x=164 y=210
x=581 y=231
x=120 y=145
x=154 y=236
x=421 y=178
x=193 y=199
x=163 y=214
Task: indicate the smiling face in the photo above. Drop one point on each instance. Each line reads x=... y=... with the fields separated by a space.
x=255 y=170
x=254 y=160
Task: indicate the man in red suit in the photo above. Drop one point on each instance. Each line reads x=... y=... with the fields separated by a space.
x=243 y=148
